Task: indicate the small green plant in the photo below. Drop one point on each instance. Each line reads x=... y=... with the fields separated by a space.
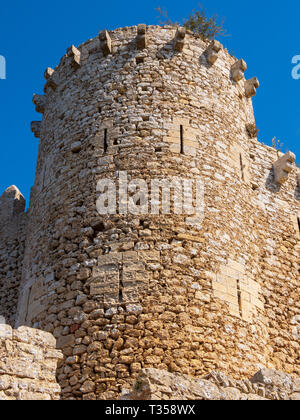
x=207 y=27
x=198 y=22
x=276 y=144
x=164 y=18
x=138 y=385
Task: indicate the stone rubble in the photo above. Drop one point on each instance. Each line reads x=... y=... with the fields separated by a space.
x=266 y=385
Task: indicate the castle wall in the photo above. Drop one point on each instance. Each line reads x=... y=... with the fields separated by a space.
x=279 y=227
x=12 y=238
x=121 y=293
x=28 y=361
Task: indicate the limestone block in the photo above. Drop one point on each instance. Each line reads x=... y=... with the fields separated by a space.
x=272 y=377
x=66 y=341
x=50 y=76
x=48 y=73
x=212 y=52
x=39 y=102
x=36 y=128
x=283 y=166
x=238 y=69
x=75 y=55
x=105 y=43
x=250 y=87
x=179 y=39
x=5 y=332
x=106 y=284
x=141 y=38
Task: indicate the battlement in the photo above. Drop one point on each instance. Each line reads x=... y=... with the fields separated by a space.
x=144 y=44
x=12 y=203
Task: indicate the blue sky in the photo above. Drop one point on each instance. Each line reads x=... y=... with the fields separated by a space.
x=34 y=35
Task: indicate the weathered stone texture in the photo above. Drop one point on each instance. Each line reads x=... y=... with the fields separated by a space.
x=12 y=238
x=154 y=384
x=121 y=293
x=28 y=361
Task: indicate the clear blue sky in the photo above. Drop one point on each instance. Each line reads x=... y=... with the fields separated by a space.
x=34 y=35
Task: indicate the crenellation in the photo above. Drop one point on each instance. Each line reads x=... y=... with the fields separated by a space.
x=283 y=167
x=36 y=128
x=51 y=79
x=39 y=102
x=251 y=86
x=179 y=39
x=238 y=69
x=141 y=39
x=75 y=55
x=48 y=73
x=213 y=51
x=105 y=43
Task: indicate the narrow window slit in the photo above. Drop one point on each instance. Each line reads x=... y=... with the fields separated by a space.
x=181 y=140
x=239 y=293
x=121 y=286
x=242 y=167
x=298 y=218
x=105 y=140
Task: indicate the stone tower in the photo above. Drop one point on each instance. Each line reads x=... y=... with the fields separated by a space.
x=123 y=291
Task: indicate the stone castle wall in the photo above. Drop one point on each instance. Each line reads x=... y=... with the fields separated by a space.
x=121 y=293
x=12 y=240
x=28 y=361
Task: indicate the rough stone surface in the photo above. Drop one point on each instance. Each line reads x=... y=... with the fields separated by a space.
x=121 y=293
x=28 y=362
x=12 y=239
x=154 y=384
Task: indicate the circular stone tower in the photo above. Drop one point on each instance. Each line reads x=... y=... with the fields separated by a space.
x=139 y=286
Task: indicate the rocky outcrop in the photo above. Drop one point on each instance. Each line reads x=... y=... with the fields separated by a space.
x=267 y=384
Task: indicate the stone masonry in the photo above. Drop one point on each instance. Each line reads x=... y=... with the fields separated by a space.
x=28 y=362
x=124 y=292
x=12 y=234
